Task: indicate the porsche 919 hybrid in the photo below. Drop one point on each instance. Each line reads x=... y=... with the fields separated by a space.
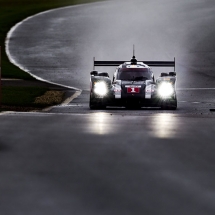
x=133 y=85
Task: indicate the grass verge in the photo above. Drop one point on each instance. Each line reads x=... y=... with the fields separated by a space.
x=29 y=98
x=20 y=98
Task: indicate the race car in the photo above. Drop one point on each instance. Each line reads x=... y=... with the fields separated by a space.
x=133 y=85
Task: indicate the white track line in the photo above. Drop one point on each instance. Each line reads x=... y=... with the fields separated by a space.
x=195 y=89
x=10 y=33
x=64 y=103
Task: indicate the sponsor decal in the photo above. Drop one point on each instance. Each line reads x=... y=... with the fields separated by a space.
x=117 y=91
x=148 y=92
x=133 y=90
x=138 y=86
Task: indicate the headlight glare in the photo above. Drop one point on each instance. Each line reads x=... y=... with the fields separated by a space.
x=100 y=88
x=165 y=90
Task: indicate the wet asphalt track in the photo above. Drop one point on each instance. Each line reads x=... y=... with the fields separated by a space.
x=76 y=161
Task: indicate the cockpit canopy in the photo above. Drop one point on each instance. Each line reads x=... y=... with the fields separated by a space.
x=134 y=74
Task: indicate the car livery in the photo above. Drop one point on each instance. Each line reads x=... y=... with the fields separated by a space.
x=133 y=85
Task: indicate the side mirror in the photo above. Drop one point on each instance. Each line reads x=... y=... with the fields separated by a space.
x=94 y=73
x=172 y=73
x=104 y=74
x=163 y=74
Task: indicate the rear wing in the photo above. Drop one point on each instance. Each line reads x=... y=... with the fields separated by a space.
x=149 y=63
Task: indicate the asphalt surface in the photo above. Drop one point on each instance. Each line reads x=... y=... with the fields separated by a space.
x=61 y=50
x=71 y=160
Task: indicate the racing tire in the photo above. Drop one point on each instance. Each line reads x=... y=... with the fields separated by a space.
x=96 y=105
x=133 y=107
x=169 y=105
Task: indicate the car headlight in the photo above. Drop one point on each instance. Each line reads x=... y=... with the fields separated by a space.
x=165 y=90
x=100 y=88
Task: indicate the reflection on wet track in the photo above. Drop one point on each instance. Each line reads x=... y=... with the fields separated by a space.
x=100 y=123
x=164 y=125
x=161 y=125
x=125 y=160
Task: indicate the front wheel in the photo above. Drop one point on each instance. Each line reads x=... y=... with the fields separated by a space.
x=169 y=105
x=95 y=104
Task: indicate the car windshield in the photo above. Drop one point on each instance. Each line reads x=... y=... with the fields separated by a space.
x=134 y=74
